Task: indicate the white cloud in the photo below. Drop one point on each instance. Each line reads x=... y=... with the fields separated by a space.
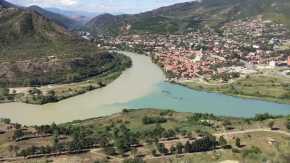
x=113 y=6
x=56 y=2
x=48 y=2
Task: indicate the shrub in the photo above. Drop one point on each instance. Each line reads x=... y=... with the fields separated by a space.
x=235 y=150
x=134 y=160
x=110 y=151
x=151 y=120
x=251 y=152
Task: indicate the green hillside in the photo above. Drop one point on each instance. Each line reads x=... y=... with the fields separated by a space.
x=57 y=18
x=26 y=34
x=34 y=50
x=191 y=16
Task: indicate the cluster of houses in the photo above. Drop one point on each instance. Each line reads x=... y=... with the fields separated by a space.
x=239 y=47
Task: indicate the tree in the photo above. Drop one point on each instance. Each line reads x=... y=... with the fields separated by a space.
x=161 y=148
x=110 y=151
x=125 y=111
x=4 y=91
x=122 y=145
x=179 y=148
x=6 y=120
x=103 y=141
x=154 y=152
x=222 y=141
x=288 y=124
x=18 y=134
x=187 y=147
x=51 y=97
x=134 y=160
x=238 y=142
x=172 y=150
x=204 y=144
x=56 y=144
x=271 y=124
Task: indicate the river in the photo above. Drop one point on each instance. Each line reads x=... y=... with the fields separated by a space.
x=141 y=86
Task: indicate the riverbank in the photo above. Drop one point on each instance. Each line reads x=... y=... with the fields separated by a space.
x=257 y=87
x=264 y=86
x=136 y=82
x=57 y=92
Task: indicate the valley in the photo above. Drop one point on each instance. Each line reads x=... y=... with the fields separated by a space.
x=196 y=81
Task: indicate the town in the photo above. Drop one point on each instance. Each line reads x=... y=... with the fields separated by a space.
x=239 y=48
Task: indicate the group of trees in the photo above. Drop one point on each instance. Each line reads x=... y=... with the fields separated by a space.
x=134 y=160
x=201 y=116
x=124 y=139
x=36 y=96
x=288 y=123
x=150 y=120
x=4 y=93
x=204 y=144
x=33 y=150
x=226 y=76
x=265 y=116
x=156 y=132
x=5 y=120
x=82 y=138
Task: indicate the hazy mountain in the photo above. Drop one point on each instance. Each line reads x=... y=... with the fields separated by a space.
x=80 y=16
x=57 y=18
x=6 y=4
x=191 y=15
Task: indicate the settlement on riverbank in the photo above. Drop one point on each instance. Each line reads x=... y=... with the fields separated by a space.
x=141 y=86
x=233 y=60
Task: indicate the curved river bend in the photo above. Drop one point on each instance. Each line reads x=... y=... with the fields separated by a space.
x=141 y=86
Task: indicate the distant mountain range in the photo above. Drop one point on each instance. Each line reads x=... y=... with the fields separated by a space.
x=80 y=16
x=190 y=16
x=57 y=18
x=5 y=4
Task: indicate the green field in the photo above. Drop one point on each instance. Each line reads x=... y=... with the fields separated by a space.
x=262 y=87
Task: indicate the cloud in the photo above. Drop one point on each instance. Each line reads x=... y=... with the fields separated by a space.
x=46 y=3
x=113 y=6
x=55 y=2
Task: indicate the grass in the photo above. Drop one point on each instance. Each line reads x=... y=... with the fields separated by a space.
x=275 y=89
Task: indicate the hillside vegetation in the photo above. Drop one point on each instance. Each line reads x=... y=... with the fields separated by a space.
x=36 y=50
x=191 y=16
x=153 y=136
x=64 y=21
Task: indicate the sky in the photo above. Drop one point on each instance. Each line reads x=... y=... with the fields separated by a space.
x=101 y=6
